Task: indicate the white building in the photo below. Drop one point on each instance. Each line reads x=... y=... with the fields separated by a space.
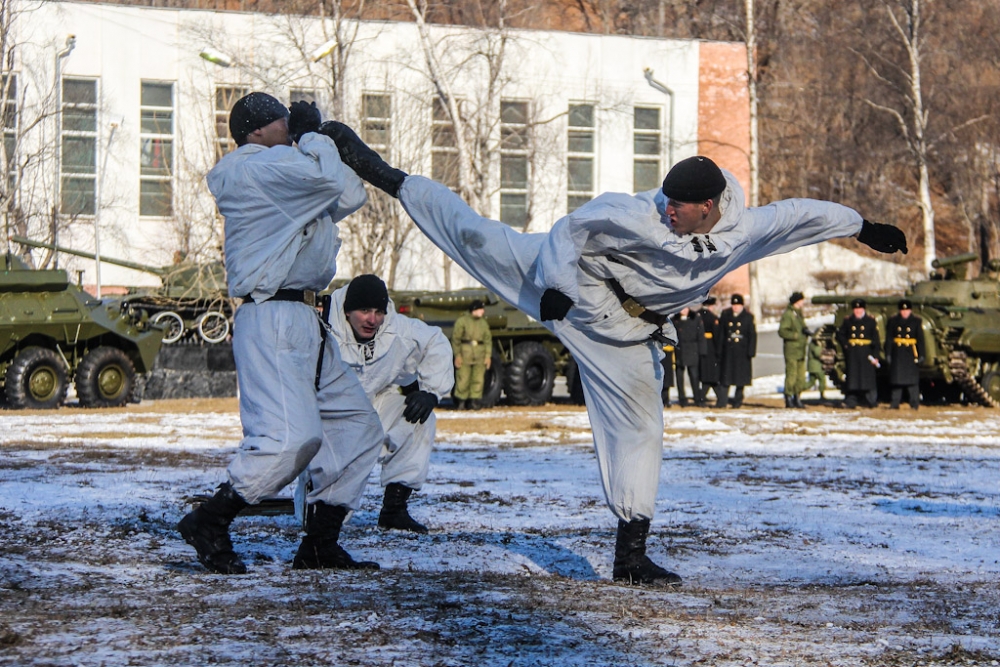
x=135 y=105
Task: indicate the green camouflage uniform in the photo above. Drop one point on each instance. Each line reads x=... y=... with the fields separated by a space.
x=471 y=341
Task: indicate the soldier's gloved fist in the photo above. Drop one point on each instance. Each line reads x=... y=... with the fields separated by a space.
x=303 y=117
x=360 y=157
x=881 y=237
x=554 y=305
x=419 y=405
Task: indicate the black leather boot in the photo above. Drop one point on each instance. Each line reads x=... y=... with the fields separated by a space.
x=631 y=563
x=394 y=513
x=206 y=528
x=460 y=404
x=319 y=548
x=788 y=401
x=360 y=157
x=797 y=403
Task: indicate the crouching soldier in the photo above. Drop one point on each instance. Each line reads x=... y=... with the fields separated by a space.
x=405 y=368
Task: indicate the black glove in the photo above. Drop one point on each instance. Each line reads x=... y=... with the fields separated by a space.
x=884 y=238
x=365 y=162
x=806 y=331
x=662 y=339
x=303 y=117
x=418 y=406
x=554 y=305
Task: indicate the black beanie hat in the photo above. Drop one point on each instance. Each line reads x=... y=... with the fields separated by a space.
x=795 y=298
x=476 y=305
x=694 y=179
x=366 y=291
x=252 y=112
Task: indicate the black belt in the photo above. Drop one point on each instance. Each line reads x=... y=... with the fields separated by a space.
x=633 y=307
x=307 y=296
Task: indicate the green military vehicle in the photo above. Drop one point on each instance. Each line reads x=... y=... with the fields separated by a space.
x=526 y=357
x=193 y=303
x=53 y=333
x=961 y=325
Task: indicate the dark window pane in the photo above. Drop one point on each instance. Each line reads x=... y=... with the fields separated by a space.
x=157 y=122
x=375 y=106
x=222 y=127
x=514 y=113
x=79 y=120
x=157 y=94
x=302 y=95
x=646 y=175
x=440 y=110
x=444 y=168
x=77 y=91
x=77 y=196
x=10 y=148
x=376 y=132
x=514 y=209
x=581 y=174
x=443 y=135
x=581 y=115
x=574 y=202
x=157 y=157
x=156 y=198
x=10 y=115
x=647 y=144
x=581 y=142
x=79 y=155
x=12 y=90
x=513 y=172
x=225 y=98
x=513 y=138
x=647 y=119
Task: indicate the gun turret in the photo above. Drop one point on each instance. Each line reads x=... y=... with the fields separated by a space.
x=145 y=268
x=957 y=267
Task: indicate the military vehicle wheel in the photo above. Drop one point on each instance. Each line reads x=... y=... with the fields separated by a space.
x=173 y=323
x=104 y=379
x=36 y=379
x=530 y=378
x=574 y=385
x=991 y=384
x=213 y=326
x=492 y=382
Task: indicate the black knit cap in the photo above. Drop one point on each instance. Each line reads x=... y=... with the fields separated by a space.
x=694 y=179
x=252 y=112
x=364 y=292
x=736 y=298
x=796 y=297
x=710 y=301
x=476 y=305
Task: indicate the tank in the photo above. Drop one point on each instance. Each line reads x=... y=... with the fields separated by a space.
x=53 y=333
x=961 y=325
x=526 y=357
x=192 y=302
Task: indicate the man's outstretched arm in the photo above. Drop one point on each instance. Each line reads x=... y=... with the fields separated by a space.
x=360 y=157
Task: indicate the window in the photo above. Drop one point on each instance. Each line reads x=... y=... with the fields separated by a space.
x=156 y=157
x=514 y=143
x=646 y=172
x=302 y=95
x=225 y=98
x=10 y=117
x=376 y=122
x=444 y=148
x=78 y=155
x=580 y=156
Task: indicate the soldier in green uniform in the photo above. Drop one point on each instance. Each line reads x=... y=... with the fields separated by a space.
x=814 y=366
x=792 y=330
x=472 y=343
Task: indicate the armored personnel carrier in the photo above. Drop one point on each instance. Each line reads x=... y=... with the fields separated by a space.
x=526 y=356
x=53 y=333
x=961 y=324
x=192 y=303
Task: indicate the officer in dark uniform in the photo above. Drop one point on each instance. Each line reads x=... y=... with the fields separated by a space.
x=904 y=351
x=690 y=347
x=709 y=365
x=858 y=337
x=739 y=347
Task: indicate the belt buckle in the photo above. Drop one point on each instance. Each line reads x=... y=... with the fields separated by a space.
x=309 y=298
x=633 y=307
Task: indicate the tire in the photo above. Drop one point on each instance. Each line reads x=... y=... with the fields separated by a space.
x=105 y=378
x=991 y=384
x=530 y=378
x=172 y=323
x=36 y=380
x=574 y=385
x=492 y=382
x=213 y=327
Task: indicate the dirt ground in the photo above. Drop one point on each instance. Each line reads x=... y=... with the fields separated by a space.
x=112 y=585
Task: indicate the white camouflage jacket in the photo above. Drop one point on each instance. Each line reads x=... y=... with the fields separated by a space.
x=405 y=350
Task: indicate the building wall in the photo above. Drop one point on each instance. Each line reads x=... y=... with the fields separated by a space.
x=123 y=46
